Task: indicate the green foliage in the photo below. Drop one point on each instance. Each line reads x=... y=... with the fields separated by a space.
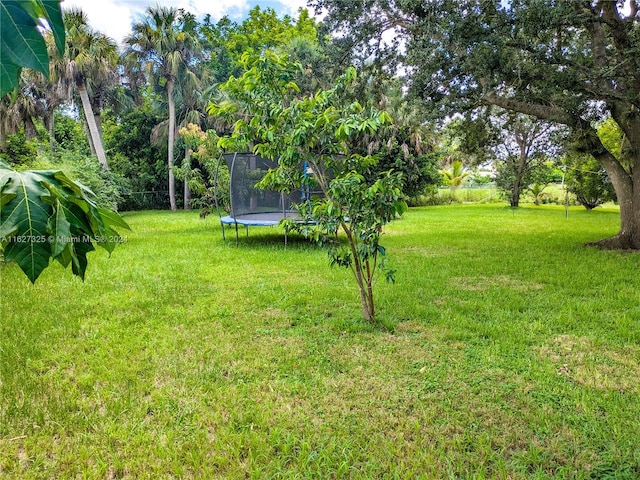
x=227 y=42
x=166 y=43
x=212 y=180
x=108 y=186
x=537 y=190
x=588 y=181
x=21 y=41
x=611 y=136
x=361 y=209
x=18 y=149
x=69 y=135
x=324 y=134
x=455 y=176
x=570 y=63
x=137 y=159
x=480 y=179
x=418 y=170
x=44 y=215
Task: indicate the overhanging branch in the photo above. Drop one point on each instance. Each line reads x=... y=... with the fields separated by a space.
x=589 y=139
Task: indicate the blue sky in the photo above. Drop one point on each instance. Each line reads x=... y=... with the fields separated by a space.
x=114 y=17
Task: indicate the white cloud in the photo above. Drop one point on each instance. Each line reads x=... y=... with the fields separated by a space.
x=105 y=16
x=218 y=9
x=291 y=6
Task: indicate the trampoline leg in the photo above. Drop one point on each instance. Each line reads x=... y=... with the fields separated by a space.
x=246 y=227
x=223 y=236
x=236 y=234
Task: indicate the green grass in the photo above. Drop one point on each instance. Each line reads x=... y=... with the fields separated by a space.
x=509 y=350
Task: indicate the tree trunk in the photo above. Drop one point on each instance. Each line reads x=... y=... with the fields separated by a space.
x=627 y=189
x=519 y=171
x=98 y=118
x=626 y=185
x=172 y=127
x=365 y=287
x=517 y=181
x=187 y=190
x=91 y=123
x=515 y=193
x=51 y=125
x=85 y=127
x=3 y=135
x=30 y=130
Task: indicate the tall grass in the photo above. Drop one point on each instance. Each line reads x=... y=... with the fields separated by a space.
x=507 y=350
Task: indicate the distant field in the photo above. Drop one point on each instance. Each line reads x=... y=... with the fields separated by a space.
x=506 y=350
x=553 y=194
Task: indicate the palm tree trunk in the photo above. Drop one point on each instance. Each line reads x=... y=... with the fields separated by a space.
x=51 y=124
x=85 y=127
x=172 y=127
x=91 y=123
x=98 y=118
x=3 y=135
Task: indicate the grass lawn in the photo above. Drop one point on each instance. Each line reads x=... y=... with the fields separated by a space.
x=508 y=350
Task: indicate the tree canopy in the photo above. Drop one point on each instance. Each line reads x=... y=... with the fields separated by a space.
x=571 y=62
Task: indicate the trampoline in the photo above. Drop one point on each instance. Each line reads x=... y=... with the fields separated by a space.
x=251 y=206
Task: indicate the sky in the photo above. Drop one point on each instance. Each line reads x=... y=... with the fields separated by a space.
x=114 y=17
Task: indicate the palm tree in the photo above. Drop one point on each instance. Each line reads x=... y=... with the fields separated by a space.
x=455 y=176
x=89 y=64
x=164 y=42
x=19 y=108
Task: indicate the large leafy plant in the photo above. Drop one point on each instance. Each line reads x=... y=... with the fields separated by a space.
x=44 y=215
x=323 y=133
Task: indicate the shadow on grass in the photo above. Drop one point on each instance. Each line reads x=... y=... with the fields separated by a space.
x=268 y=239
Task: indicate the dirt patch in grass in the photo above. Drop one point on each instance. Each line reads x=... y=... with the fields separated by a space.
x=604 y=367
x=496 y=281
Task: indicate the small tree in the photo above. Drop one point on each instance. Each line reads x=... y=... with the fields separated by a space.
x=321 y=132
x=537 y=190
x=191 y=137
x=588 y=181
x=454 y=177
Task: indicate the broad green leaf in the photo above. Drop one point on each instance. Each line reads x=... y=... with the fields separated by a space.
x=21 y=39
x=45 y=215
x=60 y=230
x=8 y=74
x=112 y=219
x=79 y=263
x=21 y=42
x=65 y=256
x=24 y=220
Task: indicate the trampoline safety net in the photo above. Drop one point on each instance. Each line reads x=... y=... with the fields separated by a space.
x=245 y=170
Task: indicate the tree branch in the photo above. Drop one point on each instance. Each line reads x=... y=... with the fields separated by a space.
x=589 y=140
x=621 y=41
x=543 y=112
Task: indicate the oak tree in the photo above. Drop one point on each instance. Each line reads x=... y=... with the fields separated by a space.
x=570 y=62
